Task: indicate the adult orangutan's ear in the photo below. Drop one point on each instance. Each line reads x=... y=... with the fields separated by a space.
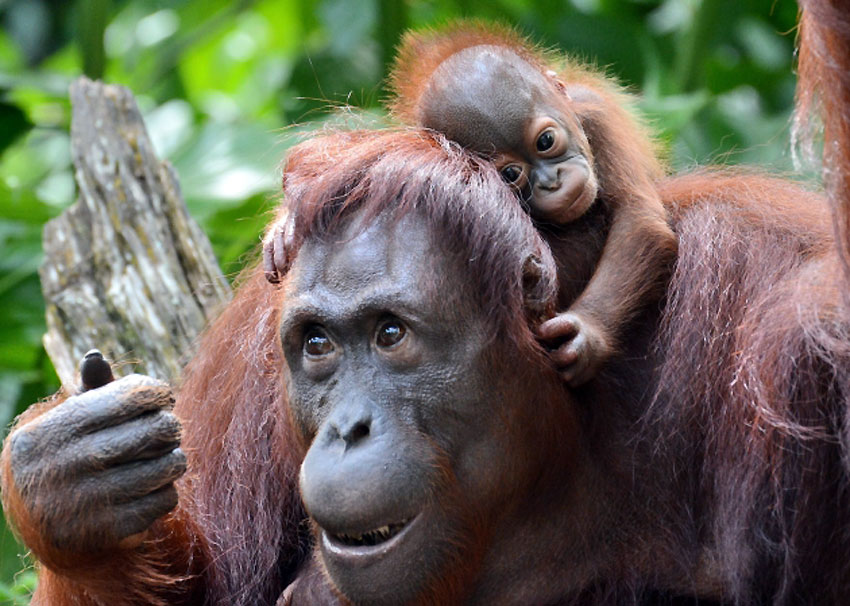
x=539 y=283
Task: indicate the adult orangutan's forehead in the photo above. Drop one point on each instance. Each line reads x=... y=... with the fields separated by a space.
x=457 y=202
x=389 y=257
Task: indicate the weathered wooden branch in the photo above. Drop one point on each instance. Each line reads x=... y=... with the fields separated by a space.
x=126 y=269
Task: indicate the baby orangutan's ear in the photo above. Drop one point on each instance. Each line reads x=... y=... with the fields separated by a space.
x=559 y=84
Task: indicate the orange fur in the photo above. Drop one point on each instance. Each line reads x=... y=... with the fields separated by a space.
x=743 y=450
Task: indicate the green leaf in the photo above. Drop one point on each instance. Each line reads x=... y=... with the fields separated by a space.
x=15 y=123
x=671 y=113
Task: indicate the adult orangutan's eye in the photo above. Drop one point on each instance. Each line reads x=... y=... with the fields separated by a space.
x=546 y=140
x=390 y=333
x=317 y=343
x=511 y=173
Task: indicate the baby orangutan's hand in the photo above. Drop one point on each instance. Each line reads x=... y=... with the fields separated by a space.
x=579 y=345
x=277 y=250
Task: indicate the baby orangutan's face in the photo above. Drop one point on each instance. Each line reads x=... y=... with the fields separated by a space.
x=492 y=101
x=549 y=169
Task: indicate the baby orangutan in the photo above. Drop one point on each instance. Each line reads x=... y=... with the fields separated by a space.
x=566 y=143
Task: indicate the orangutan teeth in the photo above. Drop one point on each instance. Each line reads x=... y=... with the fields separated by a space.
x=372 y=537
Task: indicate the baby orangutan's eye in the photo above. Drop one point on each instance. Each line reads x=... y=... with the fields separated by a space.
x=546 y=140
x=511 y=173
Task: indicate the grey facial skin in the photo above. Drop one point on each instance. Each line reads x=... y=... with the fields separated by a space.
x=393 y=386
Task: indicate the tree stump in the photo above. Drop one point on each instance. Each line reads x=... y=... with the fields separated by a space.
x=126 y=269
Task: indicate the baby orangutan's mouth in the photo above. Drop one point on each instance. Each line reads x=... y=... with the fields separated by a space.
x=371 y=537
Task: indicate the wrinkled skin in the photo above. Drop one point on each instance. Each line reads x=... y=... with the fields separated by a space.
x=98 y=469
x=393 y=387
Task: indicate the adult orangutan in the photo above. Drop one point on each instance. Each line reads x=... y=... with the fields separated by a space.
x=394 y=384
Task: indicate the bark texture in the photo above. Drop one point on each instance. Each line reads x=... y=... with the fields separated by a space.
x=126 y=269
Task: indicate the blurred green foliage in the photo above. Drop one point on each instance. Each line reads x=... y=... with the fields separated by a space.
x=224 y=83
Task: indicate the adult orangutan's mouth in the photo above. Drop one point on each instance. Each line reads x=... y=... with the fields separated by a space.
x=375 y=542
x=371 y=537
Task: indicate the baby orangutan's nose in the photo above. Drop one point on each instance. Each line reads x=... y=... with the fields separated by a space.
x=547 y=178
